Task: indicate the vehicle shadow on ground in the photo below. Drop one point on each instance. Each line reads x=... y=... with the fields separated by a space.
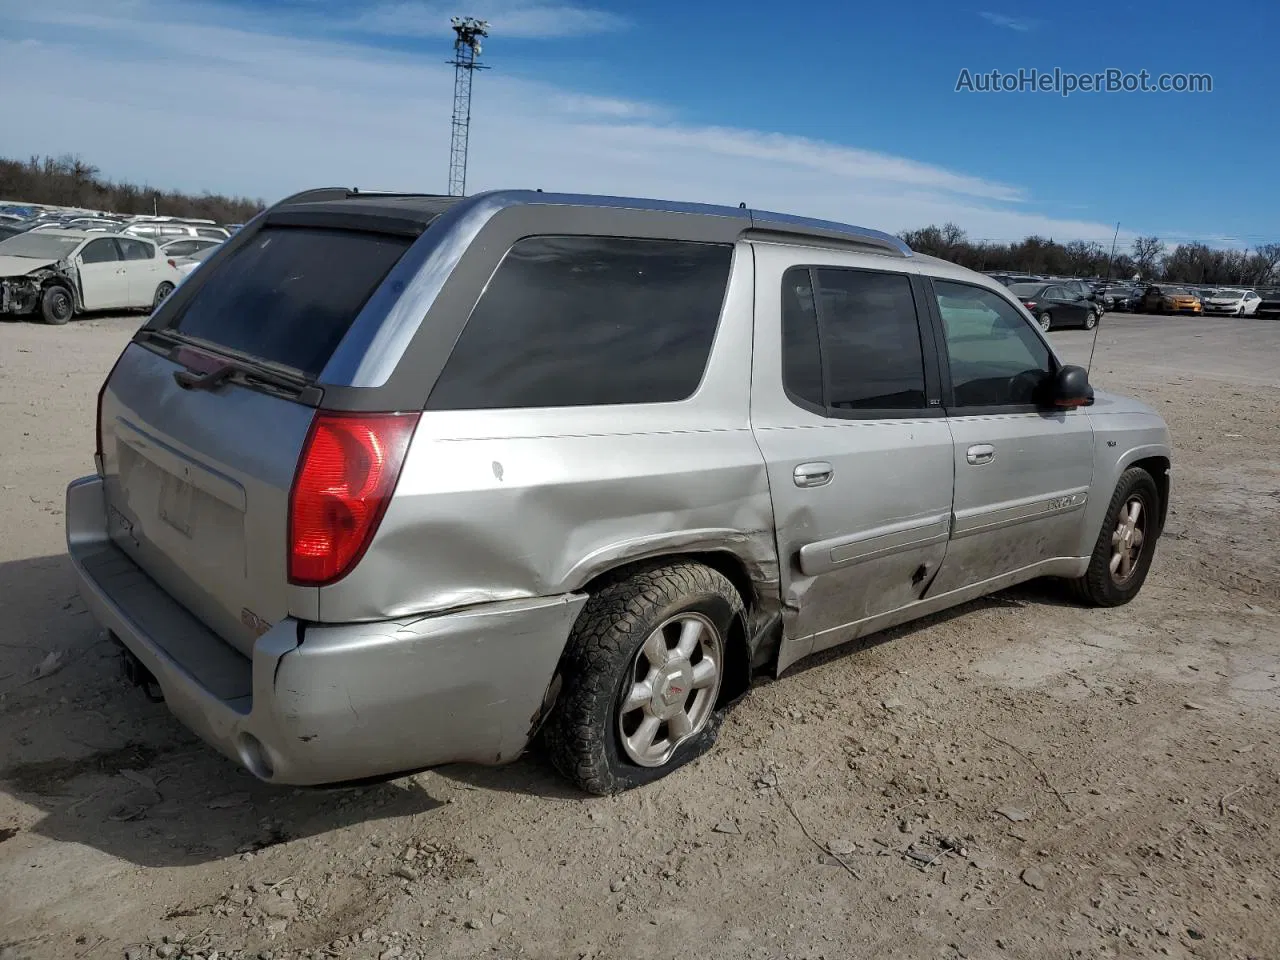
x=113 y=771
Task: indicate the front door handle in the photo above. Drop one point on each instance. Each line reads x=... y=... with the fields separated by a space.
x=980 y=453
x=815 y=474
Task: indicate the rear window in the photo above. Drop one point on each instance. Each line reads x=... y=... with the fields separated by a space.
x=290 y=295
x=574 y=321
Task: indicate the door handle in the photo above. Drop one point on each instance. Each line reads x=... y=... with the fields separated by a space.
x=815 y=474
x=980 y=453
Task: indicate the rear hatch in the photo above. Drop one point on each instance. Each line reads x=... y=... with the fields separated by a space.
x=206 y=414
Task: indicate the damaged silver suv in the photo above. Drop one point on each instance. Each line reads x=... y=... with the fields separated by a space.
x=395 y=481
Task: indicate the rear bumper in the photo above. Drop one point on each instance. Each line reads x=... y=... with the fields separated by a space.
x=321 y=703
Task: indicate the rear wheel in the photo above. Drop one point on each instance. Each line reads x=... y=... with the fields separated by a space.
x=1126 y=544
x=1046 y=321
x=641 y=677
x=1091 y=320
x=57 y=305
x=162 y=293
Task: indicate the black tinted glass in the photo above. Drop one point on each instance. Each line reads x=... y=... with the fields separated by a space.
x=571 y=321
x=870 y=341
x=291 y=293
x=801 y=357
x=135 y=249
x=100 y=251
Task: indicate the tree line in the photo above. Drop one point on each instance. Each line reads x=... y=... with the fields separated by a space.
x=67 y=181
x=1146 y=257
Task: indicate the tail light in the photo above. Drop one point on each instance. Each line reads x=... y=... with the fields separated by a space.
x=346 y=475
x=1029 y=304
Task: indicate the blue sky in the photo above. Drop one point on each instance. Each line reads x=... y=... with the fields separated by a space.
x=848 y=111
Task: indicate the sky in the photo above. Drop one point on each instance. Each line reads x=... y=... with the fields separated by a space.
x=841 y=110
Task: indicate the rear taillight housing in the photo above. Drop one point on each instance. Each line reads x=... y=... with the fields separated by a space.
x=1029 y=304
x=346 y=475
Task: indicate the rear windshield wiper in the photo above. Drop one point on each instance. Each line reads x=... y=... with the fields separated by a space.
x=213 y=371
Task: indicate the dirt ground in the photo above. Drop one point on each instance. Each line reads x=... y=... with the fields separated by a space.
x=1019 y=778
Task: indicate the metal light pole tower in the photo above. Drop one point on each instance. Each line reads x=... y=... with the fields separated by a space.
x=466 y=60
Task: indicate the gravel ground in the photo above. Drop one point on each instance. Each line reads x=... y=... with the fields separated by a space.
x=1017 y=778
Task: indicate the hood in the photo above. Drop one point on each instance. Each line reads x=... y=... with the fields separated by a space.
x=18 y=266
x=1104 y=401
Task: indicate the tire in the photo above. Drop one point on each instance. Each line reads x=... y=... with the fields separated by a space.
x=1101 y=586
x=1091 y=320
x=1046 y=321
x=591 y=736
x=162 y=293
x=57 y=306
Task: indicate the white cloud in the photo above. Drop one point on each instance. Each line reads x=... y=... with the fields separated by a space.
x=201 y=105
x=1020 y=24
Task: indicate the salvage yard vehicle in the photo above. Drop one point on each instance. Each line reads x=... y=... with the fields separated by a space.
x=1166 y=299
x=1056 y=305
x=395 y=481
x=56 y=274
x=1235 y=303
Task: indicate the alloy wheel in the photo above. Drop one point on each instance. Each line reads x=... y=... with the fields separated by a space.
x=672 y=688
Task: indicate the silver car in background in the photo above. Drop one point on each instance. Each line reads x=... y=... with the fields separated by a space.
x=395 y=481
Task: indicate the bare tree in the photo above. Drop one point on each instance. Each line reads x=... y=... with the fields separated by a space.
x=1147 y=252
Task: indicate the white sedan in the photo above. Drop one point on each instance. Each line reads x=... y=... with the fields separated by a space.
x=1235 y=303
x=59 y=273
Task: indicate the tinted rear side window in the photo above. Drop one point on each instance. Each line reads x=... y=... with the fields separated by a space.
x=572 y=321
x=291 y=294
x=870 y=340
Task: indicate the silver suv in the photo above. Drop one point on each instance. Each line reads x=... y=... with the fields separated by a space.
x=395 y=481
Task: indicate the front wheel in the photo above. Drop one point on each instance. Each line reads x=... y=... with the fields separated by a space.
x=56 y=305
x=1126 y=544
x=641 y=677
x=1046 y=321
x=1091 y=320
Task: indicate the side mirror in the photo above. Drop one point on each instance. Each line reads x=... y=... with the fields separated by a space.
x=1069 y=388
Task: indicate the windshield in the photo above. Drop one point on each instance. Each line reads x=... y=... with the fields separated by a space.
x=39 y=246
x=1176 y=292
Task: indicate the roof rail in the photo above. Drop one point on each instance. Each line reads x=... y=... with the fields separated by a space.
x=784 y=226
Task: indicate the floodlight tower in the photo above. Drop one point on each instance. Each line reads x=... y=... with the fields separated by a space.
x=466 y=60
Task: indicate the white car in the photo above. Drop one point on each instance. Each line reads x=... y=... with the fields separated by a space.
x=60 y=273
x=186 y=246
x=1236 y=303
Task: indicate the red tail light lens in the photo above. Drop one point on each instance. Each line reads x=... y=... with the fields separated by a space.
x=1029 y=304
x=346 y=475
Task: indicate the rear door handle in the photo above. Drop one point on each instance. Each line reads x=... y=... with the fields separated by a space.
x=815 y=474
x=980 y=453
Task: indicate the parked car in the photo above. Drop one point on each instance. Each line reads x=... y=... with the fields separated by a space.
x=185 y=265
x=1056 y=305
x=1268 y=305
x=56 y=274
x=1236 y=303
x=1169 y=299
x=172 y=230
x=186 y=246
x=400 y=481
x=7 y=231
x=1122 y=298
